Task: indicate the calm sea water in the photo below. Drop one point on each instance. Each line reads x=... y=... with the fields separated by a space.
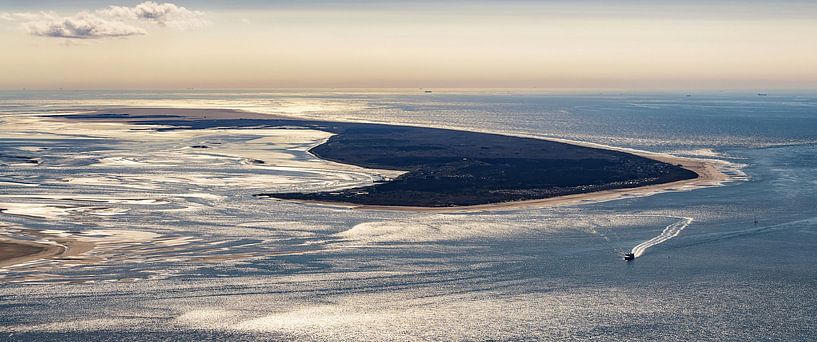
x=182 y=248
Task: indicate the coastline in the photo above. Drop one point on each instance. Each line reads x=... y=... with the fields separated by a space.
x=708 y=173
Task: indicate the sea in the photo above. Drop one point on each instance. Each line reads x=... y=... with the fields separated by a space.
x=166 y=242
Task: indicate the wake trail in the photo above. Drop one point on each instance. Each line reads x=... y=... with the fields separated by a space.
x=669 y=232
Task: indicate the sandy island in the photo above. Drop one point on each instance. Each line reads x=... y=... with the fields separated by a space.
x=708 y=171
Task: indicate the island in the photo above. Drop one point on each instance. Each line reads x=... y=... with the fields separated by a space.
x=443 y=167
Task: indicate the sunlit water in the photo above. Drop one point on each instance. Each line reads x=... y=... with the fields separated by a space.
x=180 y=246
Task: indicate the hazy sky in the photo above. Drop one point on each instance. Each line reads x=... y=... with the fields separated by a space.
x=333 y=43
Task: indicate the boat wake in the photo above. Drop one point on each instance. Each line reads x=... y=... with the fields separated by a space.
x=669 y=232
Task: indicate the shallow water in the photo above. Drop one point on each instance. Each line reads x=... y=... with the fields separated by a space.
x=180 y=245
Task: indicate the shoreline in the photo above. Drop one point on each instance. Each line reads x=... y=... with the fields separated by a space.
x=707 y=171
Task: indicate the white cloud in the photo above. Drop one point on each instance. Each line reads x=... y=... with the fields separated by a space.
x=82 y=26
x=164 y=14
x=110 y=22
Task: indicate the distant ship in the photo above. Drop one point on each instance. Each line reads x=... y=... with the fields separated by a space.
x=762 y=94
x=428 y=91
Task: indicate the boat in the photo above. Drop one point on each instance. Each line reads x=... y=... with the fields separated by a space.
x=762 y=94
x=629 y=256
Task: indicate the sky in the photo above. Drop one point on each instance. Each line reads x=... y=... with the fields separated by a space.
x=580 y=44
